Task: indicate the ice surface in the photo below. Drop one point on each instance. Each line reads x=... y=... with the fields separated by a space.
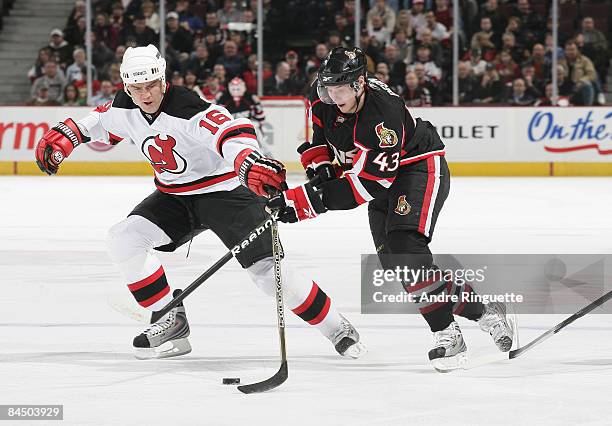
x=63 y=344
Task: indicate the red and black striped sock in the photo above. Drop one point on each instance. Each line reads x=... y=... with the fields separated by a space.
x=316 y=306
x=153 y=291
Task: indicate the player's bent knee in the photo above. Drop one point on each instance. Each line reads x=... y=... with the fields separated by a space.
x=133 y=236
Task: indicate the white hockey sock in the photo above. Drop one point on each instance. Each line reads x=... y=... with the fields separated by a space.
x=303 y=296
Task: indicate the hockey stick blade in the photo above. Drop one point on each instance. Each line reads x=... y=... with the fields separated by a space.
x=268 y=384
x=588 y=308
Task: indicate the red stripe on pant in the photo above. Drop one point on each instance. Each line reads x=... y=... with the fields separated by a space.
x=431 y=178
x=436 y=305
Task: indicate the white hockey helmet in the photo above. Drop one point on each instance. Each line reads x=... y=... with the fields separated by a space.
x=236 y=87
x=143 y=64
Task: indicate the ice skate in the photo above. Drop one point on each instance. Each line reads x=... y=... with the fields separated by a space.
x=346 y=340
x=496 y=321
x=449 y=351
x=165 y=337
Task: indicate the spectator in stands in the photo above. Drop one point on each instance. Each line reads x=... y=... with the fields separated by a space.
x=191 y=83
x=546 y=100
x=42 y=97
x=212 y=89
x=180 y=39
x=106 y=94
x=53 y=80
x=378 y=31
x=220 y=72
x=567 y=88
x=427 y=40
x=200 y=63
x=232 y=60
x=509 y=45
x=514 y=28
x=139 y=33
x=415 y=95
x=188 y=20
x=151 y=16
x=177 y=79
x=105 y=32
x=297 y=75
x=532 y=23
x=438 y=30
x=491 y=88
x=506 y=67
x=595 y=47
x=490 y=9
x=371 y=48
x=100 y=54
x=71 y=97
x=77 y=12
x=417 y=17
x=229 y=13
x=117 y=58
x=77 y=71
x=61 y=50
x=386 y=14
x=404 y=22
x=534 y=86
x=403 y=45
x=345 y=32
x=280 y=84
x=114 y=76
x=580 y=71
x=519 y=96
x=334 y=40
x=382 y=72
x=250 y=74
x=116 y=18
x=548 y=45
x=75 y=35
x=214 y=27
x=425 y=81
x=485 y=39
x=397 y=67
x=540 y=63
x=37 y=69
x=444 y=14
x=468 y=84
x=477 y=64
x=432 y=71
x=349 y=11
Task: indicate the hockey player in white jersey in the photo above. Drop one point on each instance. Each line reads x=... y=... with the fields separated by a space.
x=204 y=160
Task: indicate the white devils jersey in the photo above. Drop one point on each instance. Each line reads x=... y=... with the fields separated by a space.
x=190 y=143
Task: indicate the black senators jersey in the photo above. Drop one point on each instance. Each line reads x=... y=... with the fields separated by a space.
x=372 y=146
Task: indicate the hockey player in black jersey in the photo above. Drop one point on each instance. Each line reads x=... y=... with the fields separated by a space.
x=395 y=163
x=208 y=174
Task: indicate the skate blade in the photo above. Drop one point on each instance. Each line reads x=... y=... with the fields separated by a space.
x=165 y=350
x=355 y=351
x=448 y=364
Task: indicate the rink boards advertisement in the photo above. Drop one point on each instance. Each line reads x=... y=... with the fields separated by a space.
x=480 y=141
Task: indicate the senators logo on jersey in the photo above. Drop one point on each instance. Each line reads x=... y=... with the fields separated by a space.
x=387 y=137
x=403 y=208
x=162 y=155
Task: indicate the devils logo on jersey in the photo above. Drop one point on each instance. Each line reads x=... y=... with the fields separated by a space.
x=387 y=137
x=162 y=155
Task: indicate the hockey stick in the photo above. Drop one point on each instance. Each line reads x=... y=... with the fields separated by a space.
x=588 y=308
x=283 y=372
x=243 y=244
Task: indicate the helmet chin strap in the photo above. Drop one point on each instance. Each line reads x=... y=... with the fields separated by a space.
x=356 y=88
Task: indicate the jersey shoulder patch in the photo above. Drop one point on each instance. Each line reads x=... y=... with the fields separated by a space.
x=122 y=100
x=183 y=103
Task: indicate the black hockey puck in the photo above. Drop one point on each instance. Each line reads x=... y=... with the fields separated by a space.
x=231 y=380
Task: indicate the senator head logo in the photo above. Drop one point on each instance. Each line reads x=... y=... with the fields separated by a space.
x=403 y=208
x=160 y=151
x=387 y=137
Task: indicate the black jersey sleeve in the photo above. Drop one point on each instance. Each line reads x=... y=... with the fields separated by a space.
x=379 y=135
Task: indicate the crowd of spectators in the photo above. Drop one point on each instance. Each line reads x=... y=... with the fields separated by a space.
x=506 y=49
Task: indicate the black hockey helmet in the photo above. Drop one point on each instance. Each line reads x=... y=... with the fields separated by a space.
x=341 y=66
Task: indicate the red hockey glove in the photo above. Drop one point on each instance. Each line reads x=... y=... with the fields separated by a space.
x=57 y=144
x=317 y=162
x=301 y=203
x=263 y=176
